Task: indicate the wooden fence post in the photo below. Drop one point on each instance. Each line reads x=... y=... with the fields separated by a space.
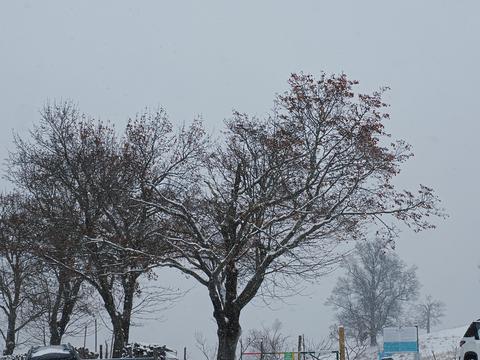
x=341 y=342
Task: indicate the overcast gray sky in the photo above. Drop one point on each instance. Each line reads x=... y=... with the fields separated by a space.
x=113 y=58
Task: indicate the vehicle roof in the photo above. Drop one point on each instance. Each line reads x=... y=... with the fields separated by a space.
x=52 y=351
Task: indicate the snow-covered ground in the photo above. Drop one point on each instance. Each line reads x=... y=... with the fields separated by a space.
x=443 y=343
x=438 y=345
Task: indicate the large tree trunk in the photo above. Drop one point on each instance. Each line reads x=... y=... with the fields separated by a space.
x=120 y=320
x=118 y=338
x=55 y=337
x=12 y=310
x=227 y=315
x=67 y=295
x=117 y=324
x=129 y=283
x=115 y=317
x=228 y=336
x=10 y=338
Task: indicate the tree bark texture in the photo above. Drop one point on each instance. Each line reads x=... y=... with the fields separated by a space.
x=228 y=335
x=10 y=338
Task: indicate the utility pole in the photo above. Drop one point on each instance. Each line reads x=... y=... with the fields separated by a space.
x=303 y=346
x=95 y=335
x=417 y=355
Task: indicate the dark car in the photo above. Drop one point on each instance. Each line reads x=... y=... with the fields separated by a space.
x=53 y=352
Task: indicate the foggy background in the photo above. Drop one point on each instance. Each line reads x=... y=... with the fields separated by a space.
x=205 y=58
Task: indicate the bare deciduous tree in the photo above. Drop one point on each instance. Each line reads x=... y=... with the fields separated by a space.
x=66 y=297
x=107 y=182
x=268 y=340
x=209 y=352
x=372 y=293
x=274 y=199
x=429 y=312
x=68 y=304
x=19 y=298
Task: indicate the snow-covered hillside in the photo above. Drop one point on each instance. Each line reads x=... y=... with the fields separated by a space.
x=444 y=343
x=438 y=345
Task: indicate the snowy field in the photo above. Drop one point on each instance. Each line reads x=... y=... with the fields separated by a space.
x=438 y=345
x=443 y=343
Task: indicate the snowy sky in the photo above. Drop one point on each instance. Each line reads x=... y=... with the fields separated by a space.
x=115 y=58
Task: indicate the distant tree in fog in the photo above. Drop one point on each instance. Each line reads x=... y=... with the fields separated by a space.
x=429 y=312
x=372 y=293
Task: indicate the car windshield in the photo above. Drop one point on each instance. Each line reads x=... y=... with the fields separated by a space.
x=473 y=331
x=52 y=353
x=53 y=357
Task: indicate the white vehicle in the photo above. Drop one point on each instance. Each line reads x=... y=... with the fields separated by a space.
x=470 y=343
